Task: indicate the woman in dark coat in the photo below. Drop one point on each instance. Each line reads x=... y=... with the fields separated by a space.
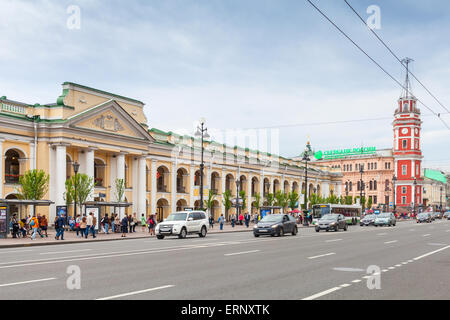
x=124 y=226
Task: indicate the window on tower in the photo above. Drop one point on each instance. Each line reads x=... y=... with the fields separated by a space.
x=404 y=144
x=404 y=170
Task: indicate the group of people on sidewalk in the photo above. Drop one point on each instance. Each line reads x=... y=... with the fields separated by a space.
x=33 y=225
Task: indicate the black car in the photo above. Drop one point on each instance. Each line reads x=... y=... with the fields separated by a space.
x=367 y=220
x=332 y=222
x=276 y=225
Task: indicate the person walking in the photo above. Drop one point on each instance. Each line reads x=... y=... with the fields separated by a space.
x=143 y=223
x=124 y=226
x=77 y=224
x=59 y=226
x=233 y=220
x=34 y=224
x=94 y=225
x=83 y=226
x=89 y=222
x=14 y=226
x=116 y=223
x=247 y=219
x=105 y=223
x=221 y=221
x=211 y=222
x=151 y=225
x=135 y=221
x=241 y=218
x=44 y=225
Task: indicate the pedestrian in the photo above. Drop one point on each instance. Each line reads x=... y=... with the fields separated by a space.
x=59 y=226
x=130 y=223
x=22 y=227
x=247 y=219
x=143 y=223
x=72 y=223
x=105 y=223
x=83 y=226
x=135 y=222
x=221 y=221
x=116 y=223
x=241 y=218
x=44 y=225
x=34 y=224
x=211 y=222
x=77 y=224
x=89 y=222
x=233 y=219
x=94 y=225
x=14 y=226
x=113 y=223
x=151 y=225
x=124 y=226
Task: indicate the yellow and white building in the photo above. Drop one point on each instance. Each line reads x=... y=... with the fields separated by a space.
x=109 y=136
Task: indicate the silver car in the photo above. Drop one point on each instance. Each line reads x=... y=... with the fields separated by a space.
x=385 y=219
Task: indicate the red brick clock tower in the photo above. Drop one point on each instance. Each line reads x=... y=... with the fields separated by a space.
x=407 y=149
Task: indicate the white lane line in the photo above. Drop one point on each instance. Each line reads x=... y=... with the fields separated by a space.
x=322 y=255
x=405 y=262
x=410 y=261
x=81 y=250
x=384 y=270
x=393 y=241
x=430 y=253
x=15 y=251
x=323 y=293
x=398 y=265
x=437 y=244
x=238 y=253
x=381 y=234
x=447 y=230
x=334 y=240
x=135 y=292
x=391 y=268
x=349 y=269
x=345 y=285
x=26 y=282
x=426 y=235
x=357 y=280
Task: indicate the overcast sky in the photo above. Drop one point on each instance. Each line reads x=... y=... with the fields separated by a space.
x=238 y=63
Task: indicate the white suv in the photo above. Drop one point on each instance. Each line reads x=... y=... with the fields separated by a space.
x=182 y=223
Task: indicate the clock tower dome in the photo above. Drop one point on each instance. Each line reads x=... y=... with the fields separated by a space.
x=407 y=149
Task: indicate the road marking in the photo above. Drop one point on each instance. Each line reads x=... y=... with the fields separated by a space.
x=26 y=282
x=384 y=270
x=15 y=251
x=430 y=253
x=357 y=280
x=426 y=235
x=437 y=244
x=398 y=265
x=82 y=250
x=410 y=261
x=391 y=268
x=381 y=234
x=322 y=255
x=405 y=262
x=349 y=269
x=135 y=292
x=323 y=293
x=412 y=229
x=237 y=253
x=334 y=240
x=345 y=285
x=393 y=241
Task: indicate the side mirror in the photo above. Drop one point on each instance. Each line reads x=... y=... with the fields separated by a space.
x=190 y=219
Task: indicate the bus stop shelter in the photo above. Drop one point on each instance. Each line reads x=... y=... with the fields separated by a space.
x=5 y=216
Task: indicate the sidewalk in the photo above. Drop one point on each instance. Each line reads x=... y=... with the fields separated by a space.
x=70 y=237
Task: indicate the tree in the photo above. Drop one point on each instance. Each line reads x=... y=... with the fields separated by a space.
x=227 y=201
x=292 y=198
x=209 y=203
x=84 y=186
x=281 y=199
x=120 y=189
x=257 y=202
x=33 y=185
x=348 y=200
x=369 y=203
x=270 y=199
x=244 y=199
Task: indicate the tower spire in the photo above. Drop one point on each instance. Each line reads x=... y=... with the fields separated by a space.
x=406 y=91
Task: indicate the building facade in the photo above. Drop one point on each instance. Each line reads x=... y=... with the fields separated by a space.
x=108 y=135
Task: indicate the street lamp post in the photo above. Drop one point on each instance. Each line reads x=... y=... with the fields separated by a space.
x=237 y=199
x=361 y=170
x=394 y=179
x=440 y=202
x=414 y=197
x=76 y=166
x=306 y=158
x=202 y=132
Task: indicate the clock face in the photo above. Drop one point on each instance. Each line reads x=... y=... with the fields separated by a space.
x=404 y=131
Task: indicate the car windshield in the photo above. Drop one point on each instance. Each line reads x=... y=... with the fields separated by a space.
x=330 y=217
x=384 y=215
x=422 y=215
x=369 y=216
x=177 y=217
x=272 y=218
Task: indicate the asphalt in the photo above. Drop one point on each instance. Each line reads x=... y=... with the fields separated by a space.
x=235 y=266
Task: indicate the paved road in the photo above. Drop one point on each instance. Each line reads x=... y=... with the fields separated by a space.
x=414 y=262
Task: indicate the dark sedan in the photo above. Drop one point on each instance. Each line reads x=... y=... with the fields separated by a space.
x=423 y=217
x=276 y=225
x=332 y=222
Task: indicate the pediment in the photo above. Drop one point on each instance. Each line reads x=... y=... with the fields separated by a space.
x=109 y=118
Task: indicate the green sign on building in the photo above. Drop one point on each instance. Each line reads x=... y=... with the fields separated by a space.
x=342 y=153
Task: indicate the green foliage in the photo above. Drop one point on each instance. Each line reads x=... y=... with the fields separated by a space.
x=227 y=201
x=292 y=199
x=79 y=188
x=369 y=203
x=315 y=199
x=257 y=202
x=69 y=194
x=270 y=199
x=332 y=199
x=281 y=199
x=33 y=185
x=210 y=201
x=120 y=189
x=244 y=199
x=348 y=200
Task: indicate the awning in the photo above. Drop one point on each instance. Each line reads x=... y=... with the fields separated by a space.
x=109 y=204
x=41 y=203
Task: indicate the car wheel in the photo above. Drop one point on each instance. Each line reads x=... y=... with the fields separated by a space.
x=345 y=228
x=256 y=235
x=281 y=232
x=182 y=234
x=317 y=229
x=202 y=234
x=294 y=232
x=336 y=229
x=160 y=237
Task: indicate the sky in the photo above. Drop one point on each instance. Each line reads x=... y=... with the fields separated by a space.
x=274 y=67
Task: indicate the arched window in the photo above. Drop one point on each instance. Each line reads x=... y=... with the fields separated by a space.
x=12 y=166
x=375 y=185
x=99 y=173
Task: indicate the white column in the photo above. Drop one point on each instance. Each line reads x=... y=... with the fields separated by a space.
x=142 y=192
x=261 y=187
x=223 y=180
x=60 y=181
x=153 y=187
x=135 y=185
x=249 y=194
x=32 y=157
x=120 y=174
x=173 y=188
x=1 y=167
x=191 y=186
x=113 y=177
x=89 y=163
x=52 y=182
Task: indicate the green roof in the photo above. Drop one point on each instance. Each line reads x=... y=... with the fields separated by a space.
x=435 y=175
